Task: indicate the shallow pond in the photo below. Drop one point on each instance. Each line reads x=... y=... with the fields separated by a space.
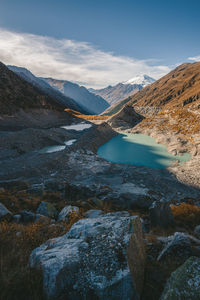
x=56 y=148
x=139 y=149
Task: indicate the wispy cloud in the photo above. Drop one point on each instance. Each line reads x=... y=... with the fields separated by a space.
x=71 y=60
x=194 y=58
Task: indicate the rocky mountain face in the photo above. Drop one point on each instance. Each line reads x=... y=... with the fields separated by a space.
x=120 y=91
x=46 y=88
x=172 y=103
x=178 y=89
x=24 y=105
x=16 y=94
x=90 y=102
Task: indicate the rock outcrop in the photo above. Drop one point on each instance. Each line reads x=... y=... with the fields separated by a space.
x=126 y=118
x=100 y=258
x=178 y=245
x=184 y=283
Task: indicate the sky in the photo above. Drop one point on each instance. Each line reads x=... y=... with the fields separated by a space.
x=99 y=42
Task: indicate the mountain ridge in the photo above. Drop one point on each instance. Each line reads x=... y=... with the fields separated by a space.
x=46 y=88
x=115 y=94
x=93 y=103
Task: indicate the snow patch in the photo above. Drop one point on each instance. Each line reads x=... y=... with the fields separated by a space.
x=70 y=142
x=143 y=80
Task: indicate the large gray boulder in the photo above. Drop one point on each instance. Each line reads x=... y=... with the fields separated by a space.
x=184 y=283
x=100 y=258
x=178 y=245
x=5 y=214
x=66 y=211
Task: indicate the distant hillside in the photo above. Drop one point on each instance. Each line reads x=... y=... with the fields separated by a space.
x=45 y=87
x=94 y=104
x=116 y=93
x=16 y=93
x=172 y=102
x=180 y=88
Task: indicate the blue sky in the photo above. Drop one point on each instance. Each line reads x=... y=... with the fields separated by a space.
x=154 y=33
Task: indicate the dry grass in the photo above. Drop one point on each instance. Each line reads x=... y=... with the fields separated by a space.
x=17 y=280
x=85 y=117
x=186 y=215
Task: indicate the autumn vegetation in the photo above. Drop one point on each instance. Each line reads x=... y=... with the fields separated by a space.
x=85 y=117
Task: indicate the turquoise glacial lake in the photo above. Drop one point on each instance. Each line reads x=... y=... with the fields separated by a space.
x=140 y=150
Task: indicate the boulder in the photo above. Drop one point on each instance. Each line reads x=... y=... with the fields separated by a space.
x=17 y=218
x=47 y=209
x=184 y=283
x=161 y=214
x=99 y=258
x=66 y=211
x=197 y=231
x=5 y=214
x=93 y=213
x=178 y=245
x=27 y=216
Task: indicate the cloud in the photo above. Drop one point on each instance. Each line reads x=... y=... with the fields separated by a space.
x=194 y=58
x=71 y=60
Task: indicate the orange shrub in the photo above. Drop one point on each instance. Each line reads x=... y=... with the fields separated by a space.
x=186 y=214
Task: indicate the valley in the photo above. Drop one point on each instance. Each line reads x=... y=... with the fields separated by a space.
x=74 y=199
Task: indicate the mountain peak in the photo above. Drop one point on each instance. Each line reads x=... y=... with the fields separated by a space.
x=143 y=80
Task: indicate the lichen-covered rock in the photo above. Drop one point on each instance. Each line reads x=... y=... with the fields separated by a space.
x=99 y=258
x=47 y=209
x=5 y=214
x=66 y=211
x=178 y=245
x=161 y=214
x=184 y=283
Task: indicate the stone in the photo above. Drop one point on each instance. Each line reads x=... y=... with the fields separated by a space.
x=17 y=219
x=161 y=215
x=93 y=213
x=178 y=245
x=197 y=231
x=47 y=209
x=66 y=211
x=27 y=216
x=184 y=282
x=99 y=258
x=5 y=214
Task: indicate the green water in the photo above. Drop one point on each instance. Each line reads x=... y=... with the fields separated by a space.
x=140 y=150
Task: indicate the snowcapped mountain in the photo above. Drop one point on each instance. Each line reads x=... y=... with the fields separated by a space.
x=120 y=91
x=143 y=80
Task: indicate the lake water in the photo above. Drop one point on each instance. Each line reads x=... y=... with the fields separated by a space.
x=56 y=148
x=139 y=149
